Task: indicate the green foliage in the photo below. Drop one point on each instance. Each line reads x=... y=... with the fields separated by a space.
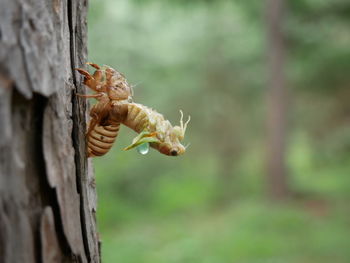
x=245 y=232
x=208 y=59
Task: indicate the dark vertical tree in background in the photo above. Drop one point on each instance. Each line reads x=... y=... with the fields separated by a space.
x=277 y=100
x=47 y=194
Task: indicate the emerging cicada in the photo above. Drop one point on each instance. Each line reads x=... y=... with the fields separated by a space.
x=115 y=106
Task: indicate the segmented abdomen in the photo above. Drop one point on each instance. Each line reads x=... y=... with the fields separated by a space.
x=138 y=117
x=101 y=139
x=142 y=118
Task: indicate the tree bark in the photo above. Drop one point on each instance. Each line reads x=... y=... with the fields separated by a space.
x=47 y=190
x=277 y=101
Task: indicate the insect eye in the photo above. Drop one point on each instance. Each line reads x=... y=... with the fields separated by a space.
x=173 y=152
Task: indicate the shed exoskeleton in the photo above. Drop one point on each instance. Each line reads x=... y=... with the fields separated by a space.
x=115 y=106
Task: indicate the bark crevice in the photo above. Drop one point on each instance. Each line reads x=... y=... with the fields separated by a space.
x=76 y=137
x=46 y=201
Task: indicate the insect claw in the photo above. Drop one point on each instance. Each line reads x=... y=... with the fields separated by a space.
x=93 y=65
x=84 y=72
x=89 y=96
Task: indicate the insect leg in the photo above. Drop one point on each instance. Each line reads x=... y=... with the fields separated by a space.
x=85 y=73
x=98 y=74
x=90 y=81
x=109 y=74
x=93 y=65
x=89 y=96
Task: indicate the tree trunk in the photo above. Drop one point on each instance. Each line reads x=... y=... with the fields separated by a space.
x=277 y=101
x=47 y=191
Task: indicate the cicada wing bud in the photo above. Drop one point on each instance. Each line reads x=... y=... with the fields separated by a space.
x=143 y=137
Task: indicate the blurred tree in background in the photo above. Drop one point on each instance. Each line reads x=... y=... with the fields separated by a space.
x=277 y=102
x=211 y=59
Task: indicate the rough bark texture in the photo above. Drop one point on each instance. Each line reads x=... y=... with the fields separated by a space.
x=47 y=191
x=277 y=100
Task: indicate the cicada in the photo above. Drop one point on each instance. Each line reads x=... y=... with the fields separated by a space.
x=115 y=106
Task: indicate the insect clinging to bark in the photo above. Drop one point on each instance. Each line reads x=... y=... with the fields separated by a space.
x=115 y=106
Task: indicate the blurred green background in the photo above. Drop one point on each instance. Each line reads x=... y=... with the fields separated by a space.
x=216 y=203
